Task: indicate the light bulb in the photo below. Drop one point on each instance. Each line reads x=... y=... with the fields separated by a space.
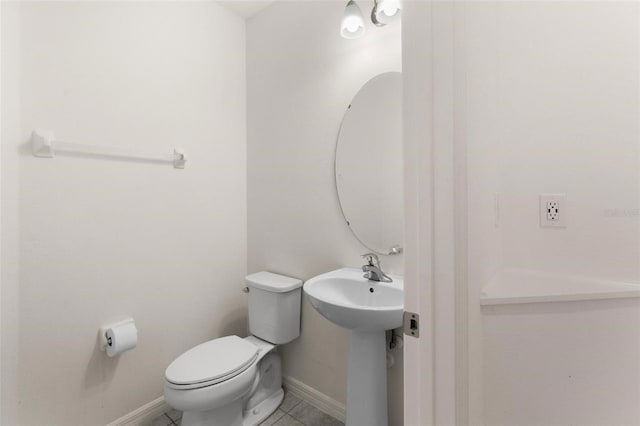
x=390 y=10
x=352 y=25
x=385 y=12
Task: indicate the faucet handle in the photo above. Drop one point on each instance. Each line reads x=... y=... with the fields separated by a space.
x=372 y=258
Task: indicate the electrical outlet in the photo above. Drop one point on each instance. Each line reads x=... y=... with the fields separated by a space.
x=553 y=210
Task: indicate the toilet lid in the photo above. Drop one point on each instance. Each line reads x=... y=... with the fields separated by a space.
x=212 y=361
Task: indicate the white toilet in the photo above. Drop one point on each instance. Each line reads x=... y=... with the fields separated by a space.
x=231 y=381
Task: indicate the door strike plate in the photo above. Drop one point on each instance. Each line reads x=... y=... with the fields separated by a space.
x=411 y=324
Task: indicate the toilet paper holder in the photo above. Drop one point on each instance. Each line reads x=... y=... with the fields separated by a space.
x=104 y=341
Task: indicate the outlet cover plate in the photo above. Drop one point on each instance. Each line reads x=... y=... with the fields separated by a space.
x=553 y=210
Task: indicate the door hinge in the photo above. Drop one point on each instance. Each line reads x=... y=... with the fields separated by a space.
x=411 y=324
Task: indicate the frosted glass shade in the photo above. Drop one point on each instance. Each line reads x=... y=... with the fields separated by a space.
x=385 y=12
x=352 y=25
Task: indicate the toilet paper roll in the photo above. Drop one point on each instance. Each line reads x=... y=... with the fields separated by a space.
x=121 y=338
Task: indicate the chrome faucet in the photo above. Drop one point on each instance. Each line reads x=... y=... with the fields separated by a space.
x=372 y=270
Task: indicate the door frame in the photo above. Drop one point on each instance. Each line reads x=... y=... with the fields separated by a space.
x=435 y=364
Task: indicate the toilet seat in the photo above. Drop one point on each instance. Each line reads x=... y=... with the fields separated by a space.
x=211 y=362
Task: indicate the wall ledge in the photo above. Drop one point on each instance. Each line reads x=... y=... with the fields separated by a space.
x=513 y=286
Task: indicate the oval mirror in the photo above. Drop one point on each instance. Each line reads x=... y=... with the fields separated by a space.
x=368 y=164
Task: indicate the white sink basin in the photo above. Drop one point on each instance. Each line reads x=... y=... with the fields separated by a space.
x=349 y=300
x=367 y=309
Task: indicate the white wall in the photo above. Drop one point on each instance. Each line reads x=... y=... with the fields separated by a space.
x=483 y=177
x=10 y=130
x=301 y=77
x=551 y=107
x=569 y=102
x=563 y=363
x=100 y=239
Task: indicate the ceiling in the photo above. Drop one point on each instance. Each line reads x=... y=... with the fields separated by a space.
x=246 y=8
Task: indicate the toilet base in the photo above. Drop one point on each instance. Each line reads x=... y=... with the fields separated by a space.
x=229 y=415
x=232 y=415
x=260 y=412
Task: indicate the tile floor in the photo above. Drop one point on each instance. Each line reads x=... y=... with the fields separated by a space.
x=292 y=412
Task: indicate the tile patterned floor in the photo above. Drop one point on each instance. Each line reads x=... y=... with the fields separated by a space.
x=292 y=412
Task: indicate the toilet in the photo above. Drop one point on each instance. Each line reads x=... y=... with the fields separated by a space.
x=234 y=381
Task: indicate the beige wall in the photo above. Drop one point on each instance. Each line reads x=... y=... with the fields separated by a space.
x=301 y=77
x=92 y=240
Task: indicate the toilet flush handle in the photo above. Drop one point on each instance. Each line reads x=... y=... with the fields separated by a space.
x=245 y=290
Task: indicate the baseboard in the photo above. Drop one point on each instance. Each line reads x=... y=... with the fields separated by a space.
x=144 y=415
x=319 y=400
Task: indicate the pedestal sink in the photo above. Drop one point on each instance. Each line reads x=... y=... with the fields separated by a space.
x=367 y=309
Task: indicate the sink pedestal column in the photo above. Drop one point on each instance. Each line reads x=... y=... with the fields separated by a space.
x=367 y=379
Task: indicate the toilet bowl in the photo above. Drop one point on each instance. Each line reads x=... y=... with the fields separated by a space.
x=242 y=388
x=234 y=381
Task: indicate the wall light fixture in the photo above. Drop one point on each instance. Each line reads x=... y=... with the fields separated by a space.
x=383 y=13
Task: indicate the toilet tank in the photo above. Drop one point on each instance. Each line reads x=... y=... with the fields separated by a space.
x=274 y=307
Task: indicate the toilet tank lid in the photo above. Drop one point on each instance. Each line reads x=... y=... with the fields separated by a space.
x=273 y=282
